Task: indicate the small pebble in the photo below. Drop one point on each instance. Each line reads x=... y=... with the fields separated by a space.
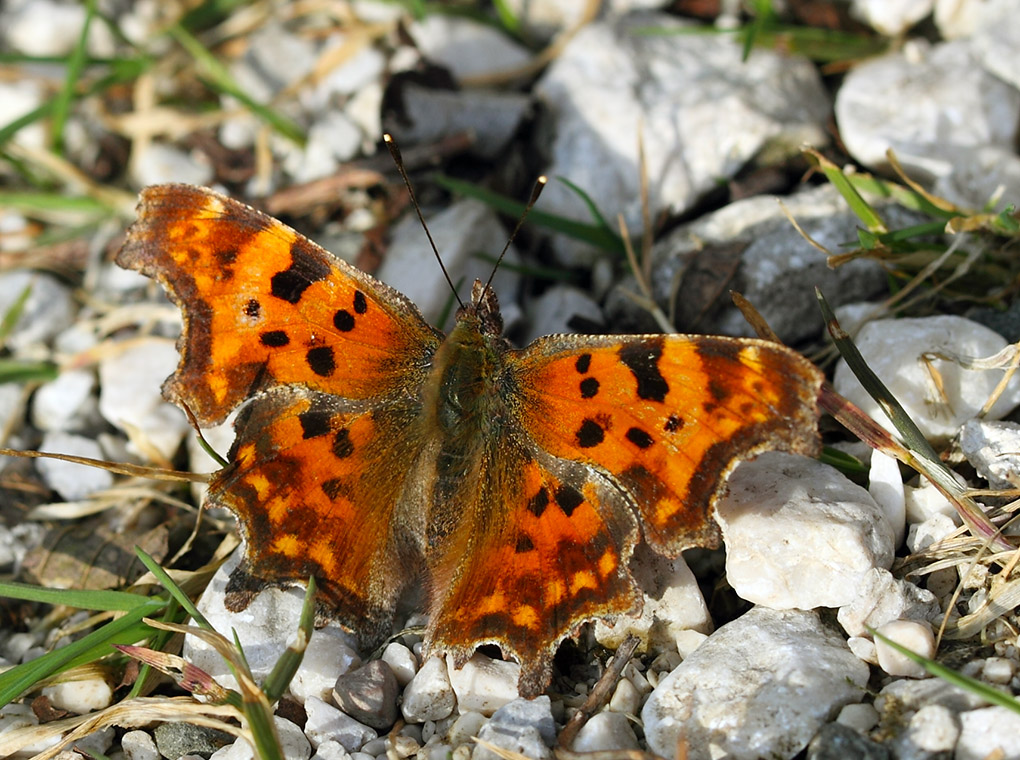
x=429 y=695
x=466 y=727
x=138 y=745
x=915 y=636
x=998 y=670
x=369 y=694
x=80 y=696
x=861 y=716
x=605 y=731
x=326 y=722
x=484 y=684
x=626 y=698
x=401 y=661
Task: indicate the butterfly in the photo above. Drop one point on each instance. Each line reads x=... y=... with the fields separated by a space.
x=380 y=456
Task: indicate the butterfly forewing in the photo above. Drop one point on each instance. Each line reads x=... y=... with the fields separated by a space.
x=668 y=416
x=264 y=307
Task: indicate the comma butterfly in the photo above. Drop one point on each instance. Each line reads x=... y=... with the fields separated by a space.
x=375 y=453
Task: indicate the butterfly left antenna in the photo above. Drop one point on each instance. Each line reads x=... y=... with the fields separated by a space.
x=536 y=191
x=399 y=161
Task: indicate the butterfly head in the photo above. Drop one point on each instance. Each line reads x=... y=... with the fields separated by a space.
x=483 y=310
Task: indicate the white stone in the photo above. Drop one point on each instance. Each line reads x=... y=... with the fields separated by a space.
x=626 y=698
x=331 y=750
x=401 y=660
x=957 y=18
x=799 y=534
x=996 y=38
x=80 y=696
x=467 y=48
x=14 y=716
x=138 y=745
x=552 y=312
x=523 y=726
x=264 y=628
x=428 y=115
x=924 y=534
x=998 y=670
x=885 y=484
x=688 y=641
x=332 y=139
x=880 y=598
x=72 y=481
x=292 y=741
x=327 y=656
x=993 y=448
x=978 y=174
x=43 y=27
x=18 y=98
x=915 y=636
x=484 y=685
x=924 y=108
x=48 y=310
x=761 y=686
x=466 y=727
x=160 y=162
x=863 y=649
x=325 y=722
x=933 y=731
x=460 y=232
x=429 y=695
x=891 y=17
x=605 y=731
x=895 y=351
x=862 y=716
x=608 y=82
x=673 y=603
x=986 y=732
x=66 y=402
x=130 y=398
x=924 y=500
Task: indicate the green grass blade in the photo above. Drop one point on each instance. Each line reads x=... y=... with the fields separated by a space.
x=846 y=188
x=599 y=236
x=15 y=371
x=126 y=629
x=75 y=67
x=279 y=678
x=219 y=78
x=175 y=591
x=109 y=601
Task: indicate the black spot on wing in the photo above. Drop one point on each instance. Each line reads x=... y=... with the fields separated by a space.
x=673 y=423
x=360 y=304
x=314 y=424
x=639 y=438
x=253 y=309
x=590 y=434
x=589 y=387
x=568 y=499
x=343 y=447
x=343 y=320
x=274 y=338
x=321 y=360
x=642 y=359
x=538 y=502
x=306 y=267
x=583 y=363
x=333 y=488
x=523 y=545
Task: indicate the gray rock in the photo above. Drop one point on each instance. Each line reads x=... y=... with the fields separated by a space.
x=993 y=448
x=760 y=686
x=609 y=81
x=834 y=741
x=49 y=309
x=524 y=725
x=176 y=739
x=369 y=694
x=72 y=481
x=428 y=115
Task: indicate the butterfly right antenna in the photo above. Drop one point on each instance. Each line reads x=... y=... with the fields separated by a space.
x=395 y=154
x=536 y=191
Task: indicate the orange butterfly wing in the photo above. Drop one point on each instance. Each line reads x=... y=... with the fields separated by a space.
x=263 y=306
x=611 y=433
x=332 y=361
